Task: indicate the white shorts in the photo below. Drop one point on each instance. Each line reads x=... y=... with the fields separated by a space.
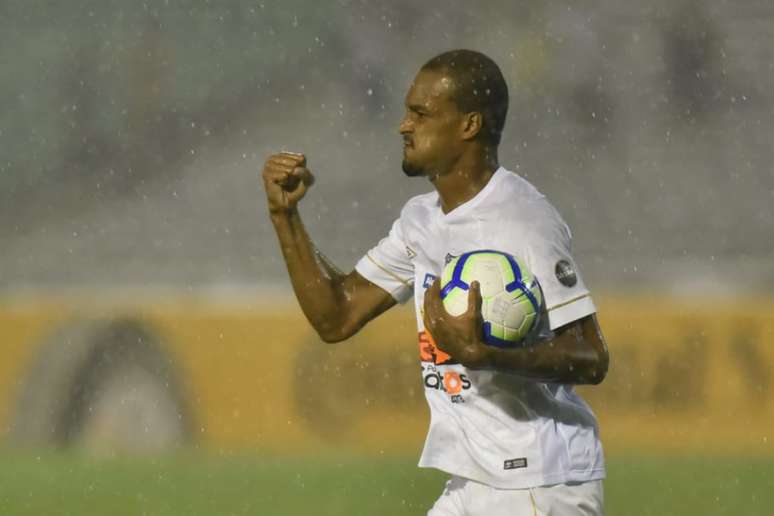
x=463 y=497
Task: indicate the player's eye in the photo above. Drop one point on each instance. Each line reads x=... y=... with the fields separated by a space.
x=417 y=112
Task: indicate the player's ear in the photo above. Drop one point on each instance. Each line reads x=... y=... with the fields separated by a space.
x=472 y=124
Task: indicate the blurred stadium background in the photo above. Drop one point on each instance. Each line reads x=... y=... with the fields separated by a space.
x=152 y=359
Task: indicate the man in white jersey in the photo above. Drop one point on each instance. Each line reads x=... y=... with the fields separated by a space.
x=506 y=424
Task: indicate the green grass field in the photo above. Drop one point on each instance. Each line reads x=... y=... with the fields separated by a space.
x=199 y=484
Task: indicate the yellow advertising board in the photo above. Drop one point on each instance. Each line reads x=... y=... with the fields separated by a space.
x=686 y=375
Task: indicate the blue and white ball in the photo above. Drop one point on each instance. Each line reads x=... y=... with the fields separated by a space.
x=511 y=295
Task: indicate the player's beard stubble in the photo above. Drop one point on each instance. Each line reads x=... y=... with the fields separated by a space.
x=411 y=170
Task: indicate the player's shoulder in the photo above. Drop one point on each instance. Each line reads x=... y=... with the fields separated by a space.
x=519 y=204
x=517 y=186
x=519 y=197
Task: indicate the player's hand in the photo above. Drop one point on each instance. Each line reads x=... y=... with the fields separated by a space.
x=286 y=180
x=462 y=337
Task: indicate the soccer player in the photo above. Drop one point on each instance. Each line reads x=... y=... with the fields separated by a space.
x=506 y=424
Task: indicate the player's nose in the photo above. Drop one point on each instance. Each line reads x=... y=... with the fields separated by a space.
x=405 y=126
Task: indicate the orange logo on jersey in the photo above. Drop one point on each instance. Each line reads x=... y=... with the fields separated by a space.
x=452 y=382
x=429 y=352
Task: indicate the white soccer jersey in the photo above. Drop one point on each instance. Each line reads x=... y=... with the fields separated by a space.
x=494 y=427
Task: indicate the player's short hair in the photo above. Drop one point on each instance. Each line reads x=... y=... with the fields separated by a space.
x=479 y=86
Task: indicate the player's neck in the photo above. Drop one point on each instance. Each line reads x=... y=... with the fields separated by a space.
x=464 y=180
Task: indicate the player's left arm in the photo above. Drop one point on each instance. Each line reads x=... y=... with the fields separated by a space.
x=576 y=353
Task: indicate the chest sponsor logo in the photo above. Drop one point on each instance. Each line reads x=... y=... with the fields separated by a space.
x=565 y=273
x=452 y=383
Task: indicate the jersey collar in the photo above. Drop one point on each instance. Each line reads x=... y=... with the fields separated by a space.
x=465 y=208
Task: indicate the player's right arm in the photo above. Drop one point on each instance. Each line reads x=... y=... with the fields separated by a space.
x=337 y=305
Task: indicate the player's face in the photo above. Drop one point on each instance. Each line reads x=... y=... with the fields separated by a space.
x=431 y=127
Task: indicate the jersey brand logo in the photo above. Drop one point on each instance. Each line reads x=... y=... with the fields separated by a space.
x=519 y=463
x=449 y=257
x=411 y=253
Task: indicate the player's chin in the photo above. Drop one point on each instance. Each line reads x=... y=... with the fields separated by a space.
x=411 y=169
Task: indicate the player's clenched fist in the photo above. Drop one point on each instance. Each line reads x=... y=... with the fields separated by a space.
x=286 y=180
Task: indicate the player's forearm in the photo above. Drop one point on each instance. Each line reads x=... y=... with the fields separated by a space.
x=567 y=358
x=551 y=362
x=316 y=283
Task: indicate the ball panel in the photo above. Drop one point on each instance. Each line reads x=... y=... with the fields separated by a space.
x=517 y=310
x=491 y=336
x=486 y=271
x=512 y=335
x=456 y=302
x=509 y=275
x=528 y=324
x=496 y=330
x=498 y=307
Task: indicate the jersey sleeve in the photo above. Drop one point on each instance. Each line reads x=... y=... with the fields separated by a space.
x=548 y=256
x=388 y=266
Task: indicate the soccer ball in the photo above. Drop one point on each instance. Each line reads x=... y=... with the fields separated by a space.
x=511 y=295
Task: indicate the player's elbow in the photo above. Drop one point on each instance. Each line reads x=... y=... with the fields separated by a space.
x=598 y=368
x=330 y=337
x=597 y=356
x=333 y=333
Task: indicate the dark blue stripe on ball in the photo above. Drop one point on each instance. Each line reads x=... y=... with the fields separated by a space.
x=456 y=280
x=497 y=342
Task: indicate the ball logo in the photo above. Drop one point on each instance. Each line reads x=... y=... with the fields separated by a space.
x=565 y=273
